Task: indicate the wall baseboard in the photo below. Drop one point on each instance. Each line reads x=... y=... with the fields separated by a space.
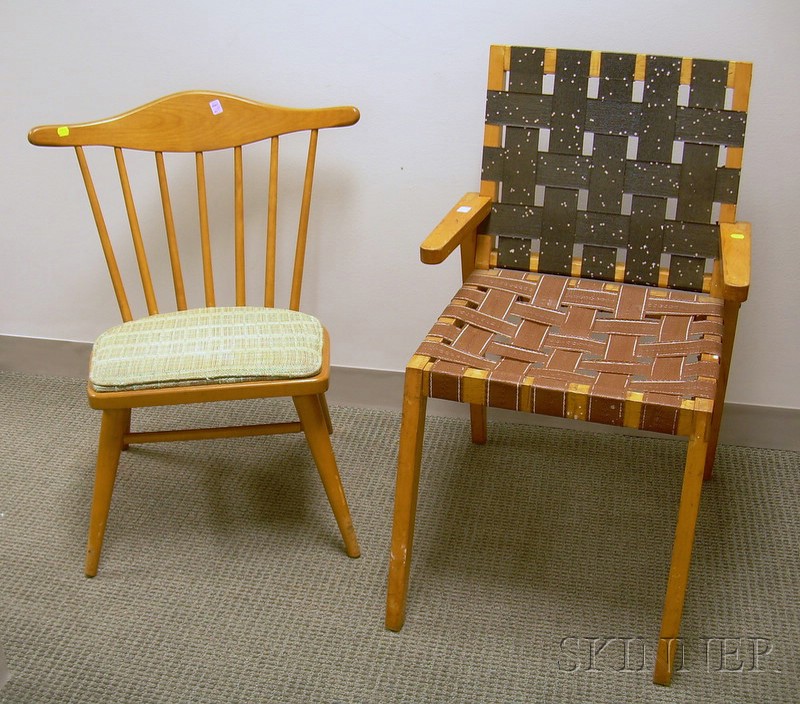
x=742 y=424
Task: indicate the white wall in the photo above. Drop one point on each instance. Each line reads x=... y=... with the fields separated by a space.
x=417 y=71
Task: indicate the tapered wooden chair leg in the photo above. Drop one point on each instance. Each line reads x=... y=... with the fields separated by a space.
x=405 y=503
x=682 y=550
x=127 y=427
x=312 y=418
x=326 y=412
x=112 y=427
x=729 y=319
x=477 y=420
x=714 y=427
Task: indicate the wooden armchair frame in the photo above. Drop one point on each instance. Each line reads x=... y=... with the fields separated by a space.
x=193 y=123
x=494 y=237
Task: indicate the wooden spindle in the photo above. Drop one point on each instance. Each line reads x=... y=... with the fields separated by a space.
x=241 y=294
x=205 y=235
x=172 y=241
x=302 y=230
x=136 y=234
x=105 y=240
x=272 y=225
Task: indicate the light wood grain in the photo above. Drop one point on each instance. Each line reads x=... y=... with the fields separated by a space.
x=302 y=228
x=272 y=224
x=238 y=226
x=172 y=239
x=186 y=122
x=312 y=418
x=205 y=232
x=462 y=220
x=682 y=550
x=136 y=234
x=112 y=428
x=105 y=240
x=196 y=122
x=742 y=77
x=729 y=322
x=735 y=248
x=406 y=491
x=499 y=63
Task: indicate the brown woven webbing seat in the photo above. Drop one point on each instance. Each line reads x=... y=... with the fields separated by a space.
x=602 y=264
x=542 y=343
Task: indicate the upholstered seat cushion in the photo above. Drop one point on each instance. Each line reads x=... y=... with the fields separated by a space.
x=207 y=345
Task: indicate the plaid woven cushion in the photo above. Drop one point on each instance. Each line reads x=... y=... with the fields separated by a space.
x=205 y=345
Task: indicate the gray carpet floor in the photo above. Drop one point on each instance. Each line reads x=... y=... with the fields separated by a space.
x=540 y=565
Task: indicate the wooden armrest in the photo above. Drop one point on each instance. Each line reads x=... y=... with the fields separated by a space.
x=462 y=220
x=735 y=250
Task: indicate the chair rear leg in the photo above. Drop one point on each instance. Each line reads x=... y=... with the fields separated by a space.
x=127 y=427
x=113 y=425
x=477 y=419
x=312 y=418
x=682 y=550
x=715 y=424
x=730 y=318
x=405 y=503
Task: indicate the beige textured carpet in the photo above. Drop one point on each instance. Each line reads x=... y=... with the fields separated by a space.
x=541 y=560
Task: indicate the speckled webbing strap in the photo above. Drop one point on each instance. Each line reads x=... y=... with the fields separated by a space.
x=623 y=174
x=529 y=341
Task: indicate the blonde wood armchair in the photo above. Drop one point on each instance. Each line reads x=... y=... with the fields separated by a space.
x=212 y=352
x=603 y=269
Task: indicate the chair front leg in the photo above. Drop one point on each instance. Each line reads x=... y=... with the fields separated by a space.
x=729 y=320
x=412 y=431
x=315 y=427
x=478 y=425
x=113 y=426
x=682 y=550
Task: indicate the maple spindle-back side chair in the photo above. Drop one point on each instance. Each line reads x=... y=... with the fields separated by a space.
x=213 y=352
x=603 y=268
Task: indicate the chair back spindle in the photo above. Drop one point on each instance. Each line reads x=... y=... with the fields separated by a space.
x=302 y=229
x=205 y=234
x=272 y=225
x=169 y=227
x=136 y=234
x=105 y=239
x=238 y=188
x=197 y=122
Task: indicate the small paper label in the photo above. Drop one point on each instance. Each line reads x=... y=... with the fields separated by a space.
x=464 y=209
x=63 y=131
x=216 y=107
